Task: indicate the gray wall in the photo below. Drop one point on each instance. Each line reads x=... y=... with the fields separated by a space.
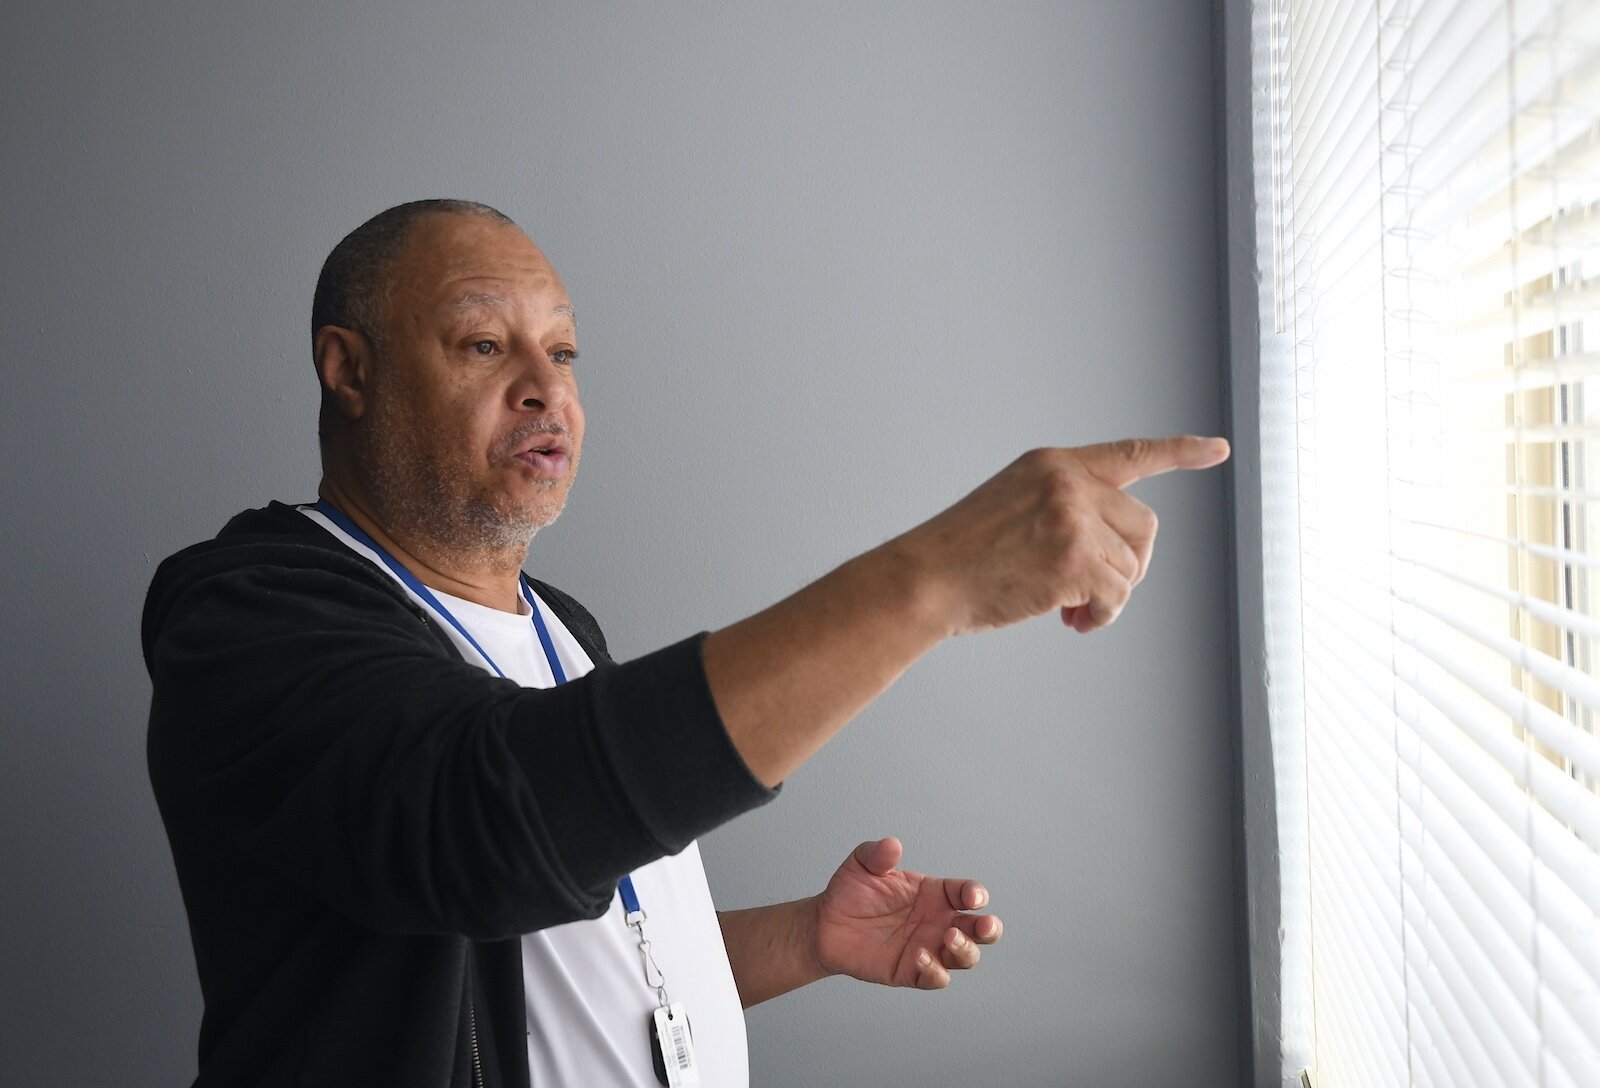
x=834 y=265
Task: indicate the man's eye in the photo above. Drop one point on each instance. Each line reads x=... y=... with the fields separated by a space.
x=485 y=347
x=564 y=356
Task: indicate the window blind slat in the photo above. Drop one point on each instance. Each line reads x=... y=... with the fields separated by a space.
x=1458 y=126
x=1346 y=967
x=1574 y=744
x=1557 y=616
x=1505 y=805
x=1484 y=876
x=1488 y=765
x=1556 y=1075
x=1499 y=818
x=1537 y=311
x=1566 y=989
x=1515 y=974
x=1572 y=496
x=1565 y=919
x=1427 y=1066
x=1543 y=374
x=1543 y=551
x=1345 y=928
x=1506 y=887
x=1456 y=996
x=1572 y=1041
x=1465 y=1062
x=1342 y=34
x=1567 y=799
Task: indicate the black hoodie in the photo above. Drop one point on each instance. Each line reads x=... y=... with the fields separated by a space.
x=363 y=823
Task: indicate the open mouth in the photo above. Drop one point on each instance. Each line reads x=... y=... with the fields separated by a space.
x=547 y=458
x=549 y=446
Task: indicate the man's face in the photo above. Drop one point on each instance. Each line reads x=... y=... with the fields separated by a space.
x=473 y=429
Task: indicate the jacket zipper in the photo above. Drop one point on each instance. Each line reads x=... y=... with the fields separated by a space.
x=472 y=1025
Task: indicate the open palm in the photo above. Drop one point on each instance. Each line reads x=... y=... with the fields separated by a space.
x=900 y=928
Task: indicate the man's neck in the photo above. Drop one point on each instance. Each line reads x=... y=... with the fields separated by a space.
x=492 y=580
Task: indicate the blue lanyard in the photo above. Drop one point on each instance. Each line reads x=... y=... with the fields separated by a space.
x=411 y=582
x=630 y=898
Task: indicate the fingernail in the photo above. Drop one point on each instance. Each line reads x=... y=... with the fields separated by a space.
x=923 y=959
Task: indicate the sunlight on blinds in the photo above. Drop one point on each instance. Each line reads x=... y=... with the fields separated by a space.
x=1440 y=279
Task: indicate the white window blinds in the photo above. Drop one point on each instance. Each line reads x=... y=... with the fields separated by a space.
x=1437 y=264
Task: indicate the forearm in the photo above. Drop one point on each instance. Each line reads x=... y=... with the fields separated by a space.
x=787 y=679
x=1053 y=530
x=772 y=950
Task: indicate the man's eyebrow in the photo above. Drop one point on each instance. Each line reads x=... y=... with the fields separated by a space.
x=469 y=299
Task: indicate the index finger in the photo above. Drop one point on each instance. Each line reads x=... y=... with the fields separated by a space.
x=1122 y=463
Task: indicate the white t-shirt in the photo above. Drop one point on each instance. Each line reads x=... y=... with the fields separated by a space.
x=588 y=1006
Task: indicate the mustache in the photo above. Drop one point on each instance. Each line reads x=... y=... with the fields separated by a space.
x=514 y=441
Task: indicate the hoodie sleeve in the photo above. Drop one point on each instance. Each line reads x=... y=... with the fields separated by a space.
x=306 y=716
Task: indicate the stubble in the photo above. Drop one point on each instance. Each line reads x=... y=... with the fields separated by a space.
x=441 y=501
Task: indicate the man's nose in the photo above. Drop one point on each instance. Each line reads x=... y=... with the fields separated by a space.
x=542 y=384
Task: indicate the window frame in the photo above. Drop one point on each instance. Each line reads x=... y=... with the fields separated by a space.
x=1254 y=336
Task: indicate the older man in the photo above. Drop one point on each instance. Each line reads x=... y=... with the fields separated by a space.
x=427 y=832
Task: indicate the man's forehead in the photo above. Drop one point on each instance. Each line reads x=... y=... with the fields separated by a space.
x=454 y=255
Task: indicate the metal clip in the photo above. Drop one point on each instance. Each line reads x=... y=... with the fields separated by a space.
x=653 y=975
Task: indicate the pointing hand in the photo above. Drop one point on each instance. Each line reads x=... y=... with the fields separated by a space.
x=1053 y=530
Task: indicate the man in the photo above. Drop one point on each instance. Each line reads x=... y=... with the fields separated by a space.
x=425 y=827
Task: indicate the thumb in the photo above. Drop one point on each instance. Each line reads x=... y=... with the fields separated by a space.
x=879 y=856
x=1122 y=463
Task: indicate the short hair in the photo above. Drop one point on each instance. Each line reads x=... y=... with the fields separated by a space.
x=354 y=283
x=353 y=287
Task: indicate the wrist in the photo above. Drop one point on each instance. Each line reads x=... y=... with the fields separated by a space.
x=919 y=590
x=808 y=913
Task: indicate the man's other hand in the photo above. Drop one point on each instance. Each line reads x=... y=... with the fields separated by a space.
x=1053 y=530
x=899 y=928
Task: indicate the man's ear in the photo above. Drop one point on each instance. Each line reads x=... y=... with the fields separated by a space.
x=343 y=358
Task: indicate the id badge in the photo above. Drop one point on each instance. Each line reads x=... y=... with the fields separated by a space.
x=672 y=1047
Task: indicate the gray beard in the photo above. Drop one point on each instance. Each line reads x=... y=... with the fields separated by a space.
x=437 y=504
x=474 y=532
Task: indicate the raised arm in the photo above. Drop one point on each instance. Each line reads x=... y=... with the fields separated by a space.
x=1052 y=531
